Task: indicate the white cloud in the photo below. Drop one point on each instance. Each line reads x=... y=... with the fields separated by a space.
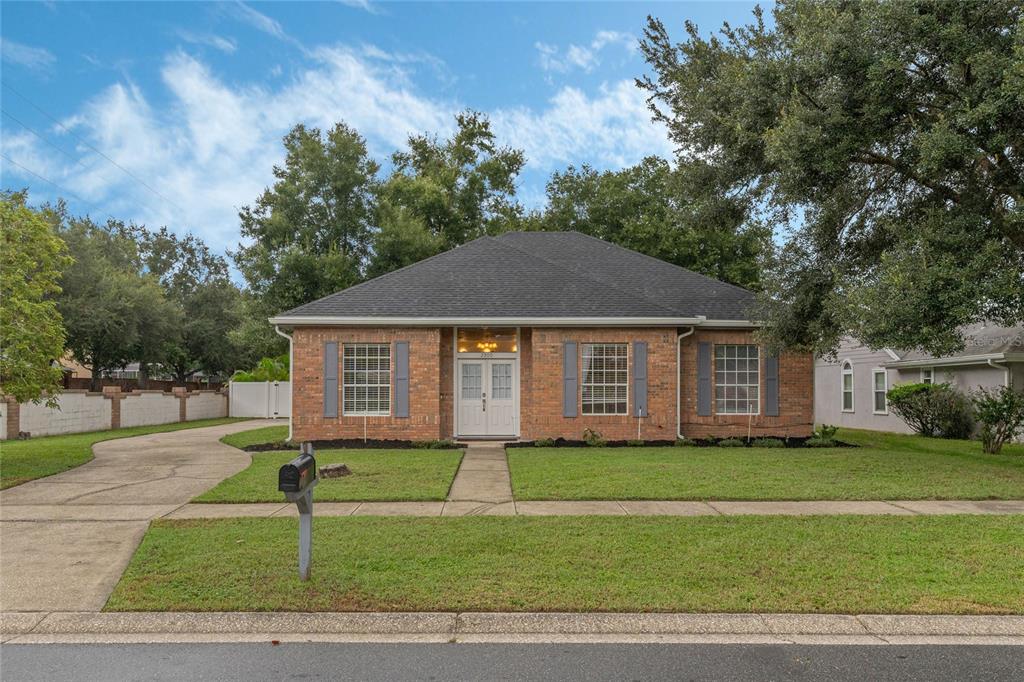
x=36 y=58
x=364 y=5
x=211 y=145
x=584 y=57
x=226 y=45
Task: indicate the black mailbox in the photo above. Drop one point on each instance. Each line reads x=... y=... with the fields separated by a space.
x=297 y=475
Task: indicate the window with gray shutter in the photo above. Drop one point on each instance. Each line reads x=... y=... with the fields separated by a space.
x=640 y=379
x=771 y=386
x=331 y=379
x=704 y=379
x=569 y=379
x=401 y=378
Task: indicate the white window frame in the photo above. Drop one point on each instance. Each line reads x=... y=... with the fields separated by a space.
x=583 y=381
x=345 y=386
x=927 y=375
x=756 y=401
x=846 y=368
x=874 y=391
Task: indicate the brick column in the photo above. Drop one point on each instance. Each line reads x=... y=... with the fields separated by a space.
x=113 y=394
x=182 y=393
x=13 y=417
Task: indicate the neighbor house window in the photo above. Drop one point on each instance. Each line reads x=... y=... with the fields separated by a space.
x=927 y=375
x=880 y=385
x=737 y=379
x=605 y=369
x=366 y=379
x=847 y=385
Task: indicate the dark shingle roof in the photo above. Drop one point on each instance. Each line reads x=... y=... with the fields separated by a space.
x=536 y=274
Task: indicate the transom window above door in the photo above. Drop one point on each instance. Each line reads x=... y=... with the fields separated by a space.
x=487 y=340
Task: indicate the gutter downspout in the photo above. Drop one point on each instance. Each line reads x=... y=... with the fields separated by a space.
x=1006 y=371
x=291 y=378
x=679 y=380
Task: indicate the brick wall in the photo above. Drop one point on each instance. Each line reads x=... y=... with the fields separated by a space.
x=424 y=421
x=541 y=372
x=431 y=387
x=796 y=393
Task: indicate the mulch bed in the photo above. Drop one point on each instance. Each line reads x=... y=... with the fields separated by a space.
x=348 y=443
x=564 y=443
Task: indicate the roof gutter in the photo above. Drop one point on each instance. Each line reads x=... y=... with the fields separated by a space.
x=492 y=321
x=291 y=378
x=679 y=381
x=1006 y=372
x=983 y=359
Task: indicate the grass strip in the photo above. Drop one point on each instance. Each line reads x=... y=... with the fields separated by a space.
x=837 y=564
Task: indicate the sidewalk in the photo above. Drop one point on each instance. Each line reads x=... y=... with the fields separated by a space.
x=517 y=508
x=67 y=538
x=56 y=627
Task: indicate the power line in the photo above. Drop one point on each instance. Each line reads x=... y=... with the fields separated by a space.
x=34 y=132
x=59 y=187
x=72 y=134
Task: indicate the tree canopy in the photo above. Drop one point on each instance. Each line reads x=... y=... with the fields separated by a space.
x=882 y=141
x=31 y=328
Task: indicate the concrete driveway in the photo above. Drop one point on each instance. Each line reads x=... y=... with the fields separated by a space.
x=66 y=539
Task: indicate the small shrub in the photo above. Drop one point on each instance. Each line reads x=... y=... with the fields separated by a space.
x=768 y=443
x=593 y=438
x=1001 y=413
x=932 y=409
x=826 y=431
x=732 y=443
x=635 y=443
x=685 y=443
x=819 y=442
x=544 y=443
x=433 y=444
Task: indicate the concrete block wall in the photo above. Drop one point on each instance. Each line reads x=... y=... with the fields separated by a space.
x=145 y=408
x=77 y=411
x=205 y=405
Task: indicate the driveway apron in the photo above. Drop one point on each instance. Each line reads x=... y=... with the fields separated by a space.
x=66 y=539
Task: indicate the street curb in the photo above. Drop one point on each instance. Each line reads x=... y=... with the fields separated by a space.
x=39 y=627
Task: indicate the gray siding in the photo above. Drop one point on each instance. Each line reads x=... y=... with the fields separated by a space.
x=828 y=382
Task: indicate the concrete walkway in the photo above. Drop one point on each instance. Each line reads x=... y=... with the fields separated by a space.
x=482 y=480
x=607 y=508
x=67 y=538
x=49 y=627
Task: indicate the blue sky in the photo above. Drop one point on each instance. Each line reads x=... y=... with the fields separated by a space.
x=172 y=113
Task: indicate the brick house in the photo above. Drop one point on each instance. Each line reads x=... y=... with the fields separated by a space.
x=534 y=335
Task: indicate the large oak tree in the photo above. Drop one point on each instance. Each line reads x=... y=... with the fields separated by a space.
x=885 y=143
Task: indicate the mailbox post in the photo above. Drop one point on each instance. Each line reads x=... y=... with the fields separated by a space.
x=296 y=480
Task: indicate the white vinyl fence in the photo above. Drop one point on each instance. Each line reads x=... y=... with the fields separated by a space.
x=260 y=399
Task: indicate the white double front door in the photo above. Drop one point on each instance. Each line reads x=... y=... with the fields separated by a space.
x=487 y=397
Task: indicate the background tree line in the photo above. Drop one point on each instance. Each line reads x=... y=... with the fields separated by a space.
x=859 y=165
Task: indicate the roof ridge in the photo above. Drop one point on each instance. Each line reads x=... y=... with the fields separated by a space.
x=658 y=260
x=388 y=274
x=584 y=275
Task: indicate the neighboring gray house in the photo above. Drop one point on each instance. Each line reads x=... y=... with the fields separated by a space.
x=850 y=390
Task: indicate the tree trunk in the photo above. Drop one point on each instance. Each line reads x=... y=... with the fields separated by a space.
x=94 y=381
x=143 y=376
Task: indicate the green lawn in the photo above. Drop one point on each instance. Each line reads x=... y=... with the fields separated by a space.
x=376 y=475
x=885 y=467
x=267 y=434
x=27 y=460
x=823 y=564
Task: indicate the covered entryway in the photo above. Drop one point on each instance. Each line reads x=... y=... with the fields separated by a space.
x=487 y=383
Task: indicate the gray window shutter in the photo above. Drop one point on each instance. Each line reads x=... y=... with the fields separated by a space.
x=771 y=386
x=640 y=379
x=704 y=379
x=401 y=379
x=569 y=379
x=331 y=379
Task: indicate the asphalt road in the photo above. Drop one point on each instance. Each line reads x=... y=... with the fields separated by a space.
x=506 y=662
